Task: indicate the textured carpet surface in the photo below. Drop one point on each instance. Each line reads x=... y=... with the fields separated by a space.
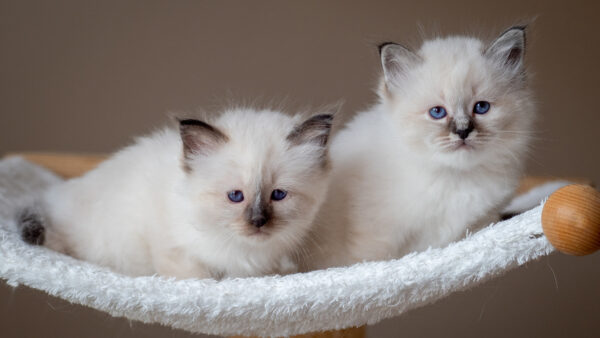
x=336 y=298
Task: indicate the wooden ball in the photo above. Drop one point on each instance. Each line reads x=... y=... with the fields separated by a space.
x=571 y=219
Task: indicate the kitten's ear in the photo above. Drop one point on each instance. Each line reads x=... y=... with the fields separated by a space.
x=199 y=137
x=314 y=130
x=396 y=61
x=509 y=49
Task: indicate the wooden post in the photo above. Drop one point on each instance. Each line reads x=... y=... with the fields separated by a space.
x=571 y=219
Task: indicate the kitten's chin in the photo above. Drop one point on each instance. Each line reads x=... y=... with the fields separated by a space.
x=461 y=156
x=459 y=146
x=256 y=234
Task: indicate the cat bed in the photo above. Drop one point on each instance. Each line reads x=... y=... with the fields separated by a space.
x=337 y=298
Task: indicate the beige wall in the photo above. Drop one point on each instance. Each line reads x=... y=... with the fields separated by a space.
x=85 y=76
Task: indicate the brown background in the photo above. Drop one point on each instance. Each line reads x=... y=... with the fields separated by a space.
x=85 y=76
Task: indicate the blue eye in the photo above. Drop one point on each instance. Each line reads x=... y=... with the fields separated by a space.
x=437 y=112
x=235 y=196
x=481 y=107
x=278 y=195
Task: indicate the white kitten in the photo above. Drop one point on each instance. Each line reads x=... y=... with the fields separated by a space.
x=440 y=154
x=233 y=198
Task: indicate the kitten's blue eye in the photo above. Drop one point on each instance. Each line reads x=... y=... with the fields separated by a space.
x=278 y=194
x=437 y=112
x=235 y=196
x=481 y=107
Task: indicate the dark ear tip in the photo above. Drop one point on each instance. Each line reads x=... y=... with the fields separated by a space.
x=327 y=118
x=190 y=122
x=522 y=29
x=383 y=44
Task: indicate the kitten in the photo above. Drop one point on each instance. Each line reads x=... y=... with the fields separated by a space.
x=232 y=198
x=440 y=154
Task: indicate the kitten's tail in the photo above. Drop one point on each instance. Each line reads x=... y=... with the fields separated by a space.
x=30 y=223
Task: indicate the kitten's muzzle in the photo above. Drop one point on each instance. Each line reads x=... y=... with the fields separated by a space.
x=259 y=221
x=258 y=214
x=463 y=133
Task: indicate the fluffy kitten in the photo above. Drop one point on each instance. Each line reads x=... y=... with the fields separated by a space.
x=230 y=198
x=440 y=153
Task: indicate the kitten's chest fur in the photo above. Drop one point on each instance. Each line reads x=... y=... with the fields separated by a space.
x=244 y=260
x=440 y=207
x=421 y=208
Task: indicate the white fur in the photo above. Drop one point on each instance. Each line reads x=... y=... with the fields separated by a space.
x=141 y=213
x=400 y=181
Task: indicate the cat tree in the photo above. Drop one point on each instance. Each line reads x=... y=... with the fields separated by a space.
x=337 y=298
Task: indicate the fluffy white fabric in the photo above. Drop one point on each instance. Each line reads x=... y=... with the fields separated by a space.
x=336 y=298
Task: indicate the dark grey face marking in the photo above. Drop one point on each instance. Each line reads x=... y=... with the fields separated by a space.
x=198 y=138
x=462 y=131
x=259 y=213
x=31 y=226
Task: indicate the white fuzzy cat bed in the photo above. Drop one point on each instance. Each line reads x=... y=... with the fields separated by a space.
x=277 y=305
